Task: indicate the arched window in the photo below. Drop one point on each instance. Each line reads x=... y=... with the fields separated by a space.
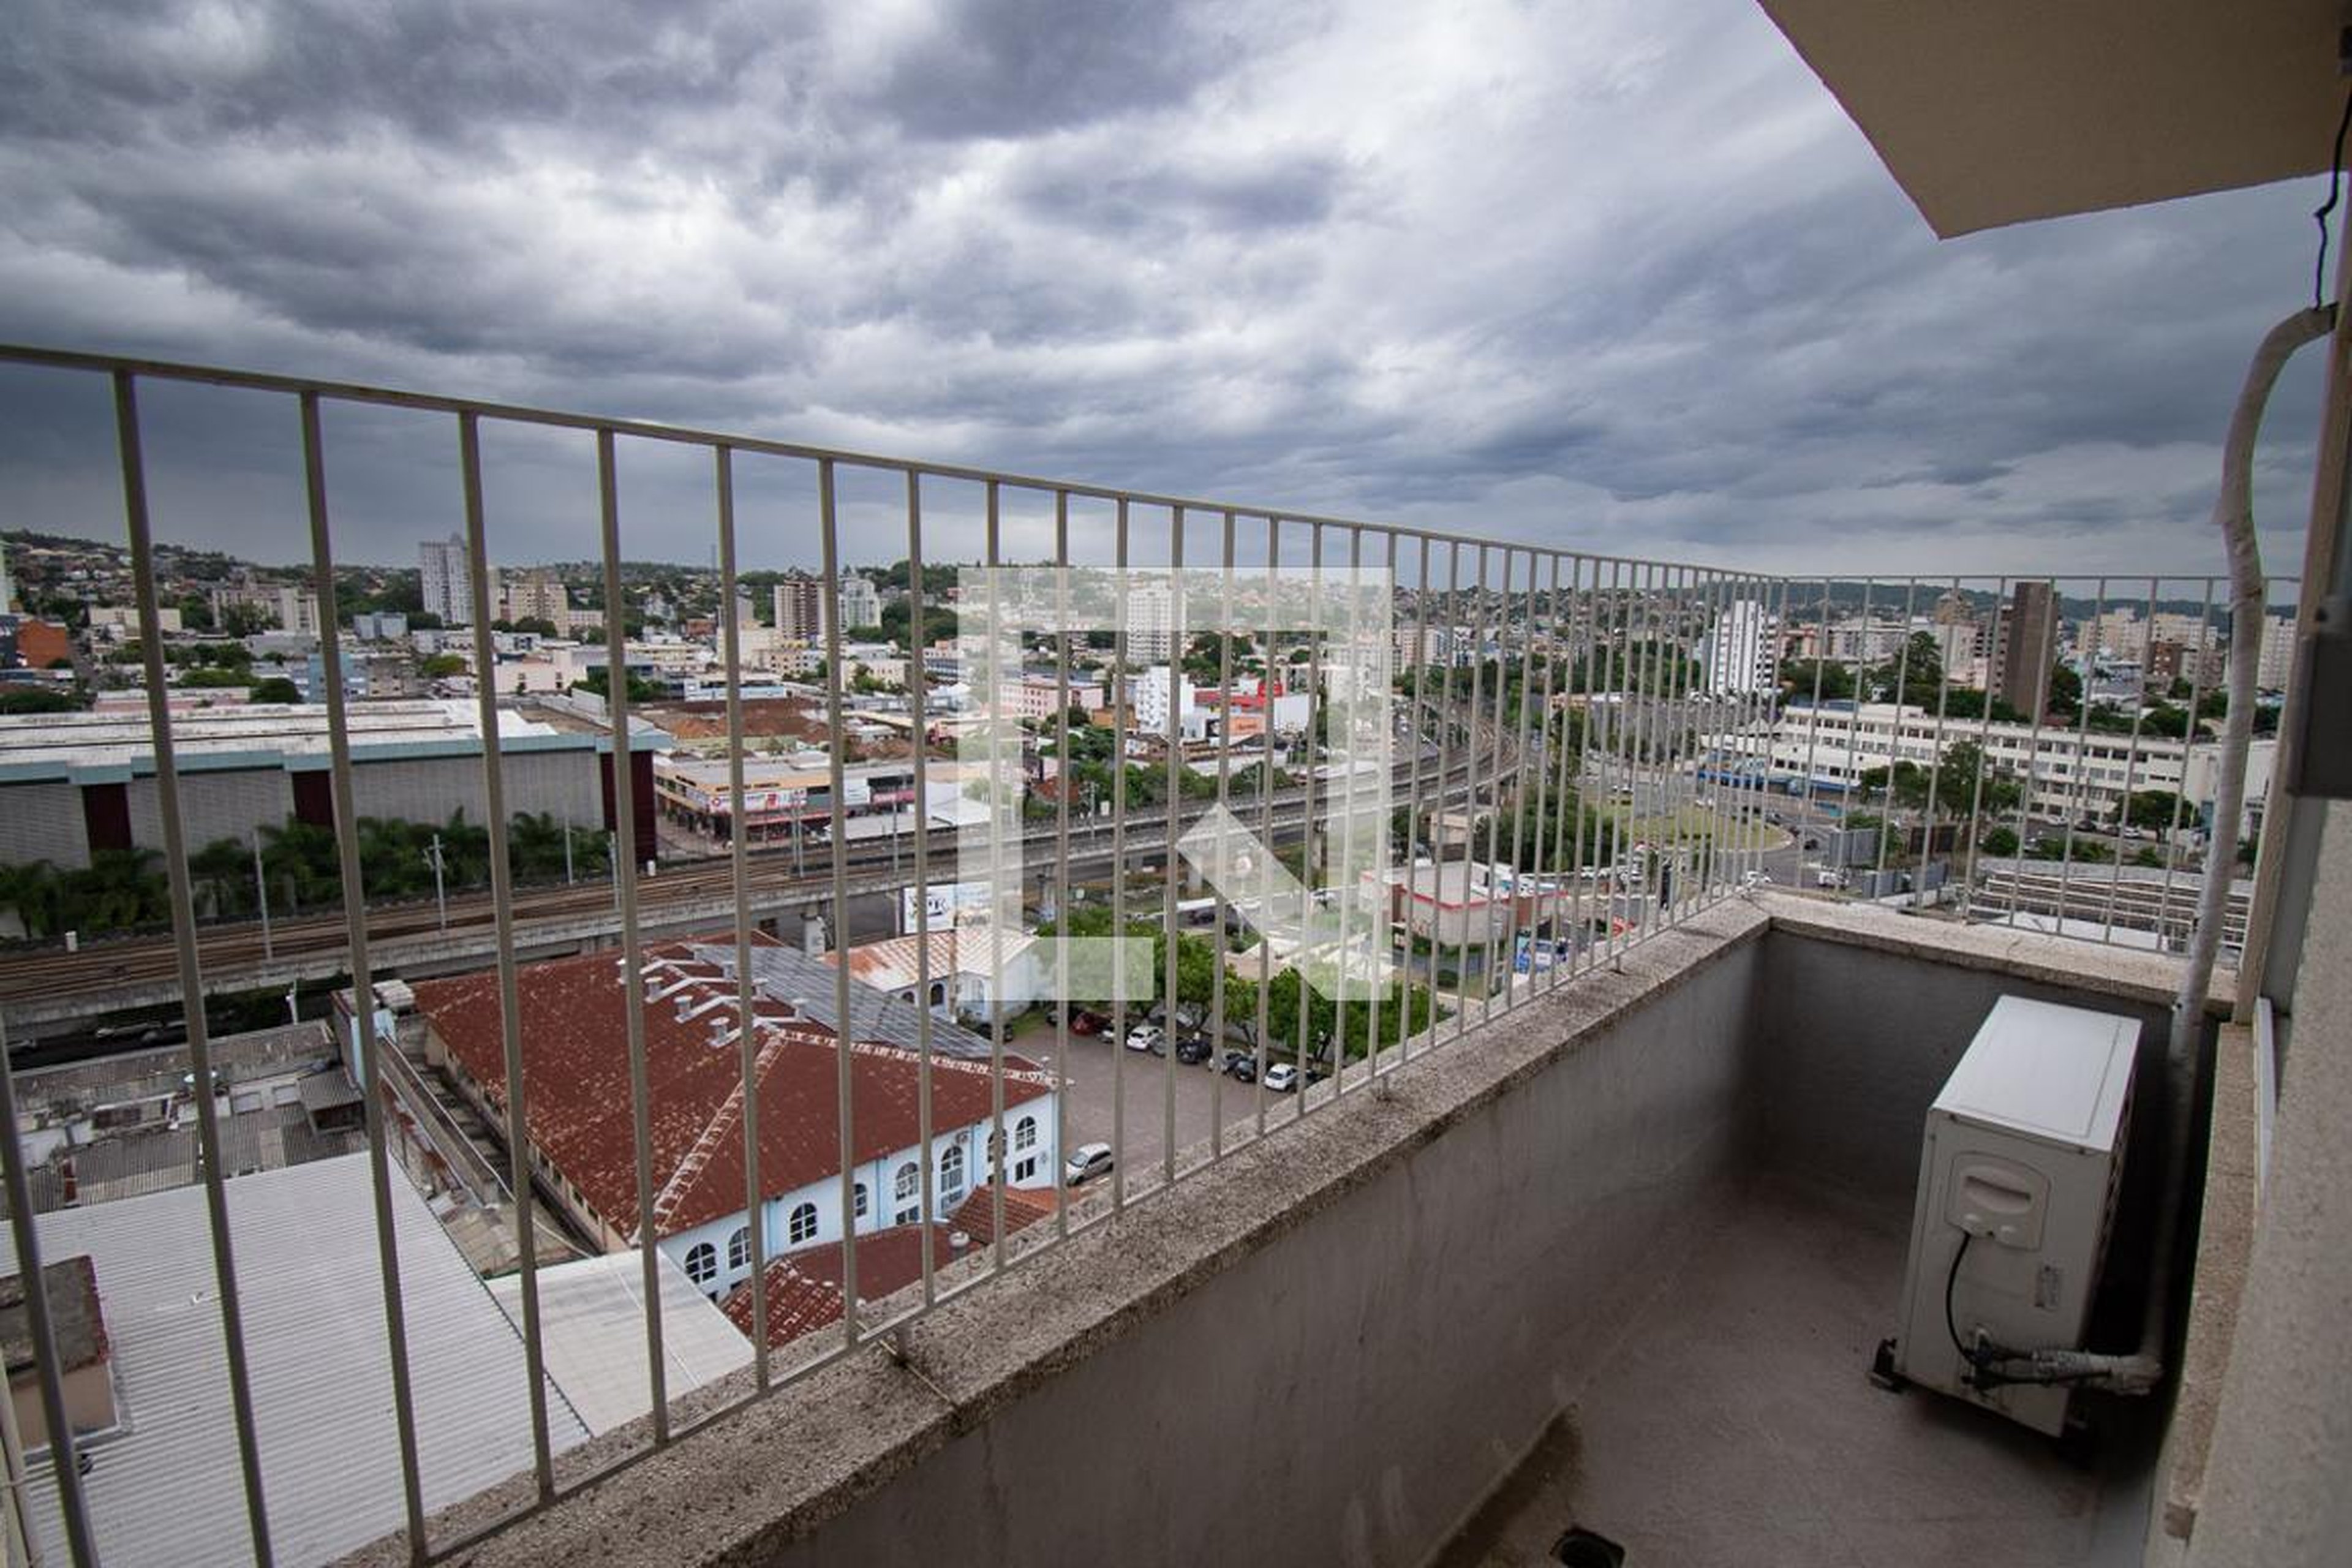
x=939 y=993
x=951 y=1171
x=903 y=1187
x=739 y=1249
x=1025 y=1132
x=859 y=1201
x=800 y=1226
x=702 y=1263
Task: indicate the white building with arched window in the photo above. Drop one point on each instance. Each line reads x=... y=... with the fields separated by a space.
x=578 y=1103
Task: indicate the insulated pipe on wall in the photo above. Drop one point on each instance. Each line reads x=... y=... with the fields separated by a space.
x=2233 y=514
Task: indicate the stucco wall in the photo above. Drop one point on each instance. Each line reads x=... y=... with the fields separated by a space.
x=1348 y=1394
x=2278 y=1484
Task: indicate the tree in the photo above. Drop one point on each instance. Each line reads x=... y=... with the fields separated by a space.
x=41 y=699
x=440 y=666
x=2001 y=841
x=1916 y=675
x=1798 y=678
x=277 y=688
x=2153 y=809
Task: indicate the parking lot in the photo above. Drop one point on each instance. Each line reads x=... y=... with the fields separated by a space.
x=1097 y=1063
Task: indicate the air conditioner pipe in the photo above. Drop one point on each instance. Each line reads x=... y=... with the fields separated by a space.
x=2233 y=514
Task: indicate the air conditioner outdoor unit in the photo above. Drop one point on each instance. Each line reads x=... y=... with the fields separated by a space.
x=2018 y=1175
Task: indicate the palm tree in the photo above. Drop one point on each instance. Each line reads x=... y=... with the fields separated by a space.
x=32 y=891
x=223 y=872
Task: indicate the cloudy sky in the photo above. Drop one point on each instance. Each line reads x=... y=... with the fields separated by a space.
x=1605 y=274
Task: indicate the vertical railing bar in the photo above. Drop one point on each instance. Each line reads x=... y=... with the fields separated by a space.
x=1936 y=756
x=2131 y=765
x=367 y=1046
x=1808 y=793
x=2187 y=752
x=1268 y=857
x=919 y=688
x=625 y=866
x=1594 y=760
x=1985 y=760
x=1420 y=717
x=1216 y=1059
x=64 y=1452
x=1376 y=949
x=519 y=1145
x=1695 y=596
x=1495 y=829
x=1470 y=783
x=1174 y=738
x=1001 y=1156
x=1123 y=697
x=1522 y=798
x=1894 y=735
x=2086 y=659
x=2040 y=696
x=1715 y=603
x=191 y=972
x=1560 y=671
x=1343 y=887
x=1647 y=673
x=1311 y=864
x=739 y=868
x=1063 y=1000
x=845 y=1032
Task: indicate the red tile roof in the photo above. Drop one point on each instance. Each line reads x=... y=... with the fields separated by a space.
x=576 y=1072
x=804 y=1286
x=1023 y=1206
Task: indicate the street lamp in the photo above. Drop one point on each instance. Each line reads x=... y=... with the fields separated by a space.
x=434 y=859
x=261 y=895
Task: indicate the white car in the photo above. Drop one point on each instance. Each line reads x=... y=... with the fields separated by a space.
x=1086 y=1162
x=1282 y=1077
x=1147 y=1038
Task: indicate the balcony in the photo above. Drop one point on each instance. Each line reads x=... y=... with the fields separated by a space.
x=1621 y=1266
x=1586 y=1208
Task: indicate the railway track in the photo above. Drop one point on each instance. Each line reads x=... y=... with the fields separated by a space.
x=30 y=978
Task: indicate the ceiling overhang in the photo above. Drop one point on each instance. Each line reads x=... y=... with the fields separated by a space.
x=1999 y=111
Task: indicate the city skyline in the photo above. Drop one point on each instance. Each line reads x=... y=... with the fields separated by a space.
x=1563 y=278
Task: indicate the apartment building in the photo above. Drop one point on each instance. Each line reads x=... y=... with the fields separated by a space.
x=2068 y=773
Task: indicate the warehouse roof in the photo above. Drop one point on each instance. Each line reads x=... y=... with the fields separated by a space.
x=165 y=1488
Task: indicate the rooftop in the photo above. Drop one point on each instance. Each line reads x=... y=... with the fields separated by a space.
x=575 y=1057
x=75 y=1316
x=164 y=1490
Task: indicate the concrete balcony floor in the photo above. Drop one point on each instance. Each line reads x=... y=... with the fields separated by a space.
x=1732 y=1424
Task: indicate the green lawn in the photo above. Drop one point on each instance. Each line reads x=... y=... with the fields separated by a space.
x=1692 y=823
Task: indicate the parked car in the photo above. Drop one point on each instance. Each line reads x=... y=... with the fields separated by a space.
x=1241 y=1065
x=1086 y=1162
x=1147 y=1037
x=1192 y=1050
x=1084 y=1023
x=1282 y=1077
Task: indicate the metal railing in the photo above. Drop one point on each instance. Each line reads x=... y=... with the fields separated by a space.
x=1588 y=750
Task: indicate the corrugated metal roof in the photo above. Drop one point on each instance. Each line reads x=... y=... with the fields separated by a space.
x=593 y=1334
x=165 y=1490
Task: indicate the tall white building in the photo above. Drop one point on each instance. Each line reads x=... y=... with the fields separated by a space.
x=861 y=605
x=2277 y=661
x=1150 y=618
x=1740 y=655
x=298 y=611
x=448 y=590
x=7 y=588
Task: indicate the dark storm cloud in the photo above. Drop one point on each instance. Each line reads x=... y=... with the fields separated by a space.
x=1017 y=68
x=1579 y=274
